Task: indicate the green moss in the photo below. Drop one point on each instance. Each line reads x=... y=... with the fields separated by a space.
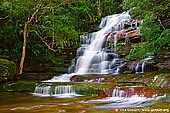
x=157 y=79
x=7 y=70
x=20 y=86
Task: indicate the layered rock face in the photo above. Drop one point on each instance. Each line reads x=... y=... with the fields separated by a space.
x=129 y=32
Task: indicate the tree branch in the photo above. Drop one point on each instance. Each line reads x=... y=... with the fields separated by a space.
x=4 y=17
x=25 y=34
x=42 y=39
x=32 y=17
x=161 y=23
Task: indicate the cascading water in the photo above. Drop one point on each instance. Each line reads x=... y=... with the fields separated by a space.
x=127 y=97
x=59 y=91
x=94 y=56
x=140 y=66
x=97 y=53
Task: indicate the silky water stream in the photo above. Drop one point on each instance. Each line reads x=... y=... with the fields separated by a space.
x=86 y=98
x=95 y=56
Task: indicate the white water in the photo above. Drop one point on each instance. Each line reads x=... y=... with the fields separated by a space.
x=108 y=25
x=93 y=57
x=140 y=66
x=60 y=91
x=121 y=99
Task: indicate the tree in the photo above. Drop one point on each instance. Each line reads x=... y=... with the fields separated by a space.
x=26 y=34
x=153 y=30
x=43 y=34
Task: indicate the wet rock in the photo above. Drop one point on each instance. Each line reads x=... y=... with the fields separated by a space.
x=132 y=65
x=8 y=70
x=165 y=18
x=18 y=86
x=143 y=66
x=77 y=78
x=164 y=66
x=130 y=33
x=166 y=83
x=133 y=35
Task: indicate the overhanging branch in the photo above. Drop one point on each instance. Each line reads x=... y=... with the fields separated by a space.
x=42 y=39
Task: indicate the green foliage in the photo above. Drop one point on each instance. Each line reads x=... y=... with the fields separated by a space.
x=8 y=69
x=56 y=26
x=150 y=28
x=154 y=34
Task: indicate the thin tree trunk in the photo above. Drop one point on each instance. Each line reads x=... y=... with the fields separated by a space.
x=25 y=33
x=53 y=34
x=23 y=48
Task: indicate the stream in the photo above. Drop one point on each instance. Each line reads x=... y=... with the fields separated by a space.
x=97 y=55
x=55 y=98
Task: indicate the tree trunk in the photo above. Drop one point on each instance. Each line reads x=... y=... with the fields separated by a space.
x=23 y=49
x=53 y=34
x=25 y=39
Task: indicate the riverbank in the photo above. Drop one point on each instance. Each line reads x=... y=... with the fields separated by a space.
x=155 y=80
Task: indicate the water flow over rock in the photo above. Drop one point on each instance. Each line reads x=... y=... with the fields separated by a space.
x=95 y=56
x=59 y=91
x=97 y=53
x=127 y=97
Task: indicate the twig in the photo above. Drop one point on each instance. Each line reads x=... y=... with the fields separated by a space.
x=161 y=23
x=4 y=17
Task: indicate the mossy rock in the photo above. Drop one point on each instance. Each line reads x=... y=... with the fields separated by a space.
x=18 y=86
x=8 y=69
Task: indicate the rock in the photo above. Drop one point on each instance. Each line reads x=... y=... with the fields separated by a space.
x=166 y=83
x=165 y=18
x=123 y=51
x=164 y=66
x=143 y=66
x=18 y=86
x=130 y=33
x=77 y=78
x=8 y=70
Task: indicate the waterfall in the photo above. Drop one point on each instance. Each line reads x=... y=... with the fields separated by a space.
x=93 y=56
x=64 y=90
x=43 y=91
x=137 y=68
x=97 y=53
x=143 y=66
x=127 y=40
x=117 y=92
x=58 y=91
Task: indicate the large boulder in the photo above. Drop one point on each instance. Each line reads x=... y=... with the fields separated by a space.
x=8 y=70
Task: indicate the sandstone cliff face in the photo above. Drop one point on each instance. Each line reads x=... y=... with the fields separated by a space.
x=130 y=32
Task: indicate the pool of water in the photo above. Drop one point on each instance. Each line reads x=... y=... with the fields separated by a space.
x=116 y=99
